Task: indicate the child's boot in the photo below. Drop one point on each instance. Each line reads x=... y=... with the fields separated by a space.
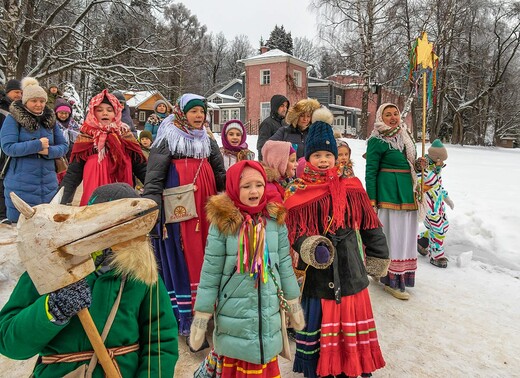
x=403 y=295
x=441 y=262
x=422 y=246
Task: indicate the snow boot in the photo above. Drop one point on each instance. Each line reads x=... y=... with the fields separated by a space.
x=403 y=295
x=422 y=246
x=440 y=262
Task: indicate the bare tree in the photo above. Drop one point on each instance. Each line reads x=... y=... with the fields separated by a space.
x=240 y=48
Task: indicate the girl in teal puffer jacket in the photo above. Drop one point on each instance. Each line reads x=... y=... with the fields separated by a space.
x=246 y=267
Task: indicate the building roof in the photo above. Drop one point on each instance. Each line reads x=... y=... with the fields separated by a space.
x=140 y=97
x=275 y=55
x=345 y=108
x=231 y=83
x=227 y=97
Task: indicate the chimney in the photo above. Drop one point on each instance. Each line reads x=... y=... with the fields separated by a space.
x=264 y=49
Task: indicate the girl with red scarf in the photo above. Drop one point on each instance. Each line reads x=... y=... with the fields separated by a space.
x=105 y=152
x=246 y=277
x=329 y=220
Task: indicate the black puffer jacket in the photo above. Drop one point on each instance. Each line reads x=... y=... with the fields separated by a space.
x=159 y=161
x=271 y=124
x=294 y=136
x=4 y=105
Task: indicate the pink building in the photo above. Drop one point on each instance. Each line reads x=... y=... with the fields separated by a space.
x=272 y=72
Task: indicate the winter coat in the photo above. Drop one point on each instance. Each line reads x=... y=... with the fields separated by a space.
x=153 y=122
x=160 y=159
x=271 y=124
x=247 y=317
x=5 y=102
x=30 y=175
x=388 y=177
x=127 y=118
x=25 y=329
x=293 y=135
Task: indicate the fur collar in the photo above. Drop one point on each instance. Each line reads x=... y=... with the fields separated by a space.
x=30 y=121
x=223 y=213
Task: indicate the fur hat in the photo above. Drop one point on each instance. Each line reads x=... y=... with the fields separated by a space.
x=275 y=154
x=13 y=85
x=31 y=89
x=321 y=135
x=145 y=134
x=437 y=151
x=308 y=105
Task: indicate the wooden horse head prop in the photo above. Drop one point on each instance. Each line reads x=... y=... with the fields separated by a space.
x=55 y=242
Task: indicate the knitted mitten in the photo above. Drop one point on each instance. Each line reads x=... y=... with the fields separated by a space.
x=296 y=317
x=68 y=301
x=198 y=330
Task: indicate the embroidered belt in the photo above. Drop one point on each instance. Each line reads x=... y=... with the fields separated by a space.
x=394 y=170
x=87 y=355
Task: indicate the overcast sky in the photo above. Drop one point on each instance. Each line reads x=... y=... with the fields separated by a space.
x=254 y=18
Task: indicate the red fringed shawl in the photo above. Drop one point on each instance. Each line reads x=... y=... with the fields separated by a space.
x=311 y=200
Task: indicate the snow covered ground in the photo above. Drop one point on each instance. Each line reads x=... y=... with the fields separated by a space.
x=463 y=321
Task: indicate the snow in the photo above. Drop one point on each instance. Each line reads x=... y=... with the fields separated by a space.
x=139 y=97
x=460 y=321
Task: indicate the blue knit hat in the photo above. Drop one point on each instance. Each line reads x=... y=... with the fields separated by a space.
x=321 y=135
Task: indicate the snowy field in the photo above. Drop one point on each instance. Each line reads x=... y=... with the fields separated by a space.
x=460 y=321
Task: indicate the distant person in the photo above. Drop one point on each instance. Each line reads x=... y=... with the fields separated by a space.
x=161 y=111
x=53 y=93
x=344 y=162
x=269 y=126
x=66 y=122
x=234 y=146
x=126 y=117
x=431 y=241
x=12 y=92
x=298 y=119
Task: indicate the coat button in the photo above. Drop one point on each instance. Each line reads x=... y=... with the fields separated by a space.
x=331 y=285
x=225 y=295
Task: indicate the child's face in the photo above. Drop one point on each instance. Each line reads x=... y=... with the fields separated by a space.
x=322 y=160
x=161 y=108
x=196 y=117
x=291 y=166
x=105 y=114
x=53 y=90
x=343 y=155
x=234 y=137
x=62 y=116
x=252 y=187
x=35 y=105
x=145 y=142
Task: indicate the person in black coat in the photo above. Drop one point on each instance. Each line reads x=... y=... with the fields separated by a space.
x=269 y=126
x=125 y=115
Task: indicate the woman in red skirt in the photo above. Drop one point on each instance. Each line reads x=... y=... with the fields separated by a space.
x=329 y=220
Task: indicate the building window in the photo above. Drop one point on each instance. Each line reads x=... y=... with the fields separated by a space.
x=265 y=77
x=338 y=99
x=265 y=110
x=142 y=116
x=297 y=78
x=224 y=116
x=339 y=123
x=237 y=95
x=217 y=100
x=235 y=113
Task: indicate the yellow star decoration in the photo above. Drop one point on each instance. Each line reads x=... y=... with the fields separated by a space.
x=425 y=55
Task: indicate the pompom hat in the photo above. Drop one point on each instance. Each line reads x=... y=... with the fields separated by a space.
x=321 y=135
x=437 y=151
x=31 y=89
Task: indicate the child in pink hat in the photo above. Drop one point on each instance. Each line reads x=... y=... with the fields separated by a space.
x=279 y=161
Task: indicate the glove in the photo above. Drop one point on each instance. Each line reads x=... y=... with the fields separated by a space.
x=296 y=318
x=198 y=331
x=68 y=301
x=449 y=202
x=421 y=163
x=322 y=254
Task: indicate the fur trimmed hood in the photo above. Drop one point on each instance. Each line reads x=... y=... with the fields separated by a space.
x=30 y=121
x=308 y=105
x=271 y=173
x=223 y=213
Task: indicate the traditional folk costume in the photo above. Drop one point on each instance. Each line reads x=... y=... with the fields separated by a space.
x=327 y=208
x=103 y=154
x=391 y=183
x=247 y=274
x=233 y=154
x=180 y=155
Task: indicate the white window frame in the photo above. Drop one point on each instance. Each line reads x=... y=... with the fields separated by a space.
x=265 y=110
x=142 y=116
x=224 y=116
x=297 y=75
x=338 y=99
x=265 y=77
x=234 y=110
x=339 y=121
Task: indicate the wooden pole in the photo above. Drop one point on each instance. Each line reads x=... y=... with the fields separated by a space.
x=424 y=110
x=97 y=343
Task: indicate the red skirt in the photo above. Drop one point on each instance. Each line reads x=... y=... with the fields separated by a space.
x=233 y=368
x=348 y=342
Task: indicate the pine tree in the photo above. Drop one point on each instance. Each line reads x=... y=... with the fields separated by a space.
x=280 y=39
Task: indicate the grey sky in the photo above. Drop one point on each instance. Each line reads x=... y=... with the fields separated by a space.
x=254 y=18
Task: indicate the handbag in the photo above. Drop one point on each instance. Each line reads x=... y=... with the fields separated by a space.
x=61 y=164
x=286 y=347
x=179 y=202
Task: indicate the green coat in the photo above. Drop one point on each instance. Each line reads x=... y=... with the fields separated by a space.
x=388 y=177
x=25 y=329
x=247 y=318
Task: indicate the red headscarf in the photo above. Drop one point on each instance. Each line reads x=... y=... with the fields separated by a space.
x=233 y=176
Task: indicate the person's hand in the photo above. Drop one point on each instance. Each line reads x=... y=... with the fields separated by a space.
x=45 y=142
x=45 y=151
x=68 y=301
x=449 y=202
x=375 y=208
x=322 y=254
x=296 y=317
x=198 y=330
x=421 y=163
